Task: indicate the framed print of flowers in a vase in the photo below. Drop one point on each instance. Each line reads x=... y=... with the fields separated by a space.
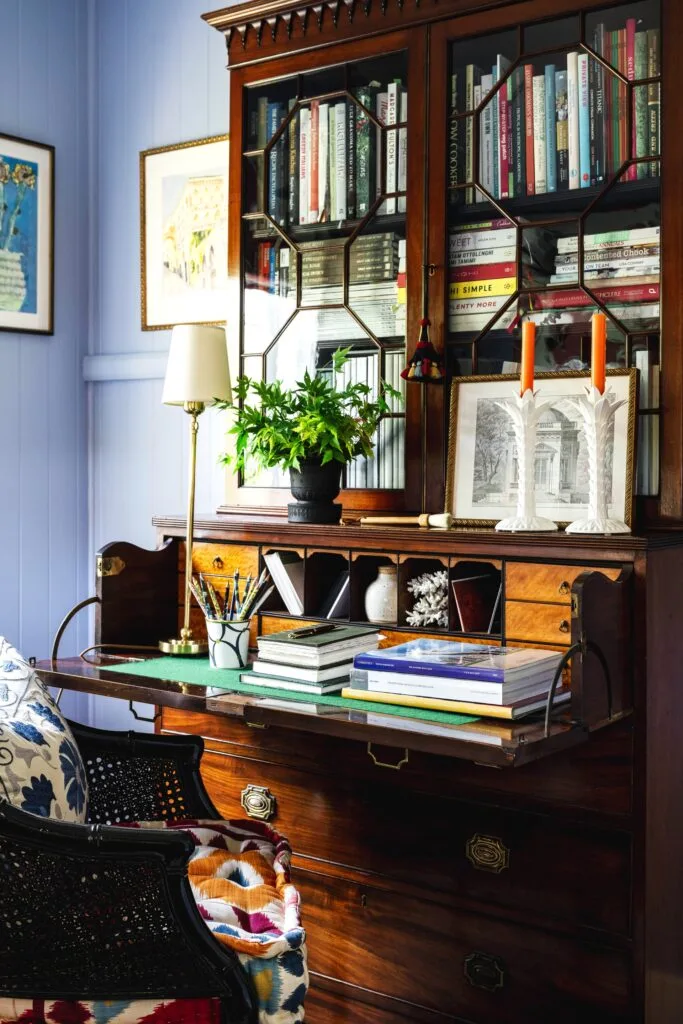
x=26 y=235
x=184 y=233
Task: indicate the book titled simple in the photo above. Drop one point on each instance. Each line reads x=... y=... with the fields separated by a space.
x=458 y=660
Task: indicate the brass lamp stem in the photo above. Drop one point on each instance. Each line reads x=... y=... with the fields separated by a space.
x=186 y=645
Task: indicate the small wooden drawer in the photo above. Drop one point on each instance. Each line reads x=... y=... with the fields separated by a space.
x=457 y=963
x=221 y=559
x=550 y=623
x=529 y=581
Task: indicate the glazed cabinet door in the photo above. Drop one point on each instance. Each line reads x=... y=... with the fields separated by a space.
x=324 y=234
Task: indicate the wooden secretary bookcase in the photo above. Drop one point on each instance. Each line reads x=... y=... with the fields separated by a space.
x=524 y=876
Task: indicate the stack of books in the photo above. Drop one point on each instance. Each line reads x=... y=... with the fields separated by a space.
x=446 y=675
x=482 y=273
x=558 y=126
x=315 y=659
x=621 y=267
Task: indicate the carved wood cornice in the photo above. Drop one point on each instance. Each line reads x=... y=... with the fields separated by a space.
x=260 y=29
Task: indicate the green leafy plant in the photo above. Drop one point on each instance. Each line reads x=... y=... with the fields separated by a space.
x=312 y=421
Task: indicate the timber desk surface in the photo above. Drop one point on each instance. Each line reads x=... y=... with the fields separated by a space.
x=501 y=744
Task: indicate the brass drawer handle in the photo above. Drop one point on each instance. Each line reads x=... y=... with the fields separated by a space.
x=487 y=853
x=258 y=802
x=485 y=971
x=564 y=587
x=564 y=626
x=218 y=562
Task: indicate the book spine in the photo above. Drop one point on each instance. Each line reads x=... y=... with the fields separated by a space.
x=618 y=252
x=478 y=197
x=631 y=173
x=351 y=160
x=519 y=135
x=392 y=143
x=324 y=162
x=483 y=271
x=606 y=52
x=453 y=138
x=314 y=168
x=491 y=287
x=584 y=123
x=503 y=165
x=365 y=156
x=622 y=294
x=262 y=138
x=592 y=136
x=341 y=162
x=273 y=164
x=598 y=46
x=605 y=262
x=550 y=129
x=486 y=169
x=653 y=101
x=529 y=128
x=469 y=257
x=421 y=668
x=573 y=119
x=402 y=176
x=616 y=104
x=332 y=162
x=622 y=99
x=382 y=103
x=465 y=240
x=469 y=143
x=304 y=163
x=495 y=137
x=439 y=687
x=640 y=102
x=561 y=131
x=293 y=166
x=609 y=238
x=540 y=182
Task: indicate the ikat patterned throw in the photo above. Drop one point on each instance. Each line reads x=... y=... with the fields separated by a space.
x=241 y=882
x=120 y=1011
x=41 y=770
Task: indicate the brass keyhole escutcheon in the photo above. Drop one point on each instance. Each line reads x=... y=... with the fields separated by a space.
x=564 y=626
x=258 y=802
x=218 y=562
x=487 y=853
x=564 y=587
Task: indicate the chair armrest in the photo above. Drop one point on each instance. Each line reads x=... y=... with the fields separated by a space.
x=142 y=776
x=98 y=912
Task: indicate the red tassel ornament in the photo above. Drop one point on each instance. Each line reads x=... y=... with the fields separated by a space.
x=426 y=366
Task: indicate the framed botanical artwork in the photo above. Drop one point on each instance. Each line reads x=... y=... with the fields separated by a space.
x=27 y=188
x=184 y=233
x=481 y=476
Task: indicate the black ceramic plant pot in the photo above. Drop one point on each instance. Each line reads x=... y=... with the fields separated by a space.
x=315 y=487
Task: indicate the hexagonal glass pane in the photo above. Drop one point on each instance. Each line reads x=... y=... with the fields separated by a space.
x=269 y=295
x=374 y=294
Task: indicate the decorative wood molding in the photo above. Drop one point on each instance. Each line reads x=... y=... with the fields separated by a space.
x=261 y=29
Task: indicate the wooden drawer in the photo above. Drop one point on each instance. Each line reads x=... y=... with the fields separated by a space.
x=221 y=559
x=428 y=954
x=529 y=581
x=549 y=623
x=529 y=864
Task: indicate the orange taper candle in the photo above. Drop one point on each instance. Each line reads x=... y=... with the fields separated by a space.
x=528 y=356
x=598 y=351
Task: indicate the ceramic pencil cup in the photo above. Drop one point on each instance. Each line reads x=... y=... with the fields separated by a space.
x=228 y=643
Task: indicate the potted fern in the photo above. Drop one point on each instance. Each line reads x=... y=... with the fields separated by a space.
x=312 y=430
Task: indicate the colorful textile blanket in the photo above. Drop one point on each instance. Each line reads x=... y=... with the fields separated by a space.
x=121 y=1011
x=240 y=878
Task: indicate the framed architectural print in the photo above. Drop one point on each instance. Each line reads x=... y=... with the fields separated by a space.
x=27 y=179
x=184 y=233
x=481 y=476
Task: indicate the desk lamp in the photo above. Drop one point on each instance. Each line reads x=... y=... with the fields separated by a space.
x=197 y=374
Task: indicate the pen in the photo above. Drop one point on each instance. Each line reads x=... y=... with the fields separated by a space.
x=324 y=627
x=215 y=601
x=233 y=600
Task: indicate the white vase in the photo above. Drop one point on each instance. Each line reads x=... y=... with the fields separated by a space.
x=381 y=596
x=228 y=643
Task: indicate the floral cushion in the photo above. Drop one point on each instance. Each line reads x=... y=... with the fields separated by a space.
x=120 y=1011
x=41 y=770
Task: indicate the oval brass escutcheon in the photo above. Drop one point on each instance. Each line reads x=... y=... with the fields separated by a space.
x=564 y=587
x=564 y=626
x=258 y=802
x=218 y=562
x=486 y=853
x=484 y=971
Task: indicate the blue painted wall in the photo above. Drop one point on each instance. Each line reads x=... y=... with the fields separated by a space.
x=44 y=567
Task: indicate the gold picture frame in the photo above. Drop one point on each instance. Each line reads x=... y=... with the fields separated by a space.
x=473 y=483
x=27 y=235
x=183 y=233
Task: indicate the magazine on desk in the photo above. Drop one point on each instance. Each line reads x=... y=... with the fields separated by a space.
x=458 y=660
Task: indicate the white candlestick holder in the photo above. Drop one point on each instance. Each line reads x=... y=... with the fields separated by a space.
x=597 y=413
x=525 y=414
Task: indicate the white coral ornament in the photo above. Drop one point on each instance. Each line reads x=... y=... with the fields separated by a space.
x=430 y=591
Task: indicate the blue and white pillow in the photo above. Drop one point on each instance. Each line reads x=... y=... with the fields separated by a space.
x=41 y=770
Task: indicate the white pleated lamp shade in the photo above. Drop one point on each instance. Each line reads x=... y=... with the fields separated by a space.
x=197 y=368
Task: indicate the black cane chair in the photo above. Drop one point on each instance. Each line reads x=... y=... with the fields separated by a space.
x=98 y=912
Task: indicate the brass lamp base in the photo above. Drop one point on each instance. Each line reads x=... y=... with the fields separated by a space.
x=183 y=646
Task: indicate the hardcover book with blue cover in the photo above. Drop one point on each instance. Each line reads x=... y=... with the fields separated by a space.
x=460 y=660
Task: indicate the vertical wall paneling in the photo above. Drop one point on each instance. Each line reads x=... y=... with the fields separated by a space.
x=43 y=513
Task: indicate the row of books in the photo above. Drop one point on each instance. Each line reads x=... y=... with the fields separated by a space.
x=566 y=126
x=329 y=163
x=447 y=675
x=621 y=267
x=371 y=258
